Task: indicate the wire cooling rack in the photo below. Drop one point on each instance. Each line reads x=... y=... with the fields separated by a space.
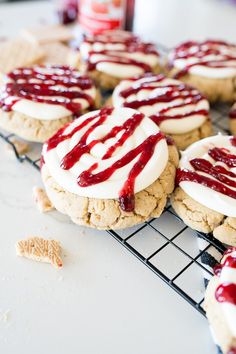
x=165 y=245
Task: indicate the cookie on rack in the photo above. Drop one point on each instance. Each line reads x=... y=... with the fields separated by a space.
x=220 y=301
x=179 y=110
x=19 y=52
x=210 y=66
x=115 y=55
x=36 y=101
x=110 y=169
x=205 y=195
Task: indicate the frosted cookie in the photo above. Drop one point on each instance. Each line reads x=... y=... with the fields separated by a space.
x=110 y=169
x=232 y=119
x=116 y=55
x=205 y=197
x=210 y=66
x=220 y=302
x=179 y=110
x=36 y=101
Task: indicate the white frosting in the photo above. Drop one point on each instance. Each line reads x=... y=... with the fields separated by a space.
x=45 y=111
x=229 y=69
x=169 y=126
x=202 y=194
x=110 y=188
x=120 y=50
x=228 y=275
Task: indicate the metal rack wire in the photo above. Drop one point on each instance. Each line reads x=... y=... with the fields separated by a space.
x=157 y=241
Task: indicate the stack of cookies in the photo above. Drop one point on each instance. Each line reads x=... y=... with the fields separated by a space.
x=112 y=163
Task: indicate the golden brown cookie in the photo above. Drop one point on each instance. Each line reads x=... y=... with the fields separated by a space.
x=118 y=171
x=179 y=110
x=115 y=55
x=204 y=196
x=106 y=214
x=209 y=66
x=47 y=34
x=19 y=52
x=37 y=101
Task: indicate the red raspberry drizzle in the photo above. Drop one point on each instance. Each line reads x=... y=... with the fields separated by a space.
x=189 y=95
x=114 y=37
x=232 y=114
x=220 y=181
x=23 y=86
x=145 y=151
x=201 y=51
x=226 y=292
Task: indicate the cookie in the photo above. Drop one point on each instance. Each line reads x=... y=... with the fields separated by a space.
x=19 y=52
x=55 y=53
x=115 y=55
x=36 y=101
x=220 y=301
x=205 y=196
x=210 y=66
x=179 y=110
x=47 y=34
x=110 y=169
x=41 y=250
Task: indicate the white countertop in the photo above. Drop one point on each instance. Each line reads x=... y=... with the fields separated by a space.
x=103 y=301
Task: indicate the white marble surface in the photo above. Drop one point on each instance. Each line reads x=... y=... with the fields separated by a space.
x=104 y=301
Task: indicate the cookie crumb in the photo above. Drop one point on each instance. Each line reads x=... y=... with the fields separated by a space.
x=21 y=146
x=5 y=316
x=41 y=199
x=41 y=250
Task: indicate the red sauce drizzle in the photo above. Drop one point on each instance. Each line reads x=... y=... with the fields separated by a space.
x=44 y=91
x=189 y=95
x=202 y=50
x=87 y=178
x=232 y=114
x=114 y=37
x=233 y=140
x=220 y=181
x=217 y=270
x=229 y=261
x=226 y=293
x=131 y=43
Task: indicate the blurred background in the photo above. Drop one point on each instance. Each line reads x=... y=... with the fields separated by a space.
x=163 y=21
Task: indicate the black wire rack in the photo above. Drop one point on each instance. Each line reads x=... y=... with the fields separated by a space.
x=165 y=245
